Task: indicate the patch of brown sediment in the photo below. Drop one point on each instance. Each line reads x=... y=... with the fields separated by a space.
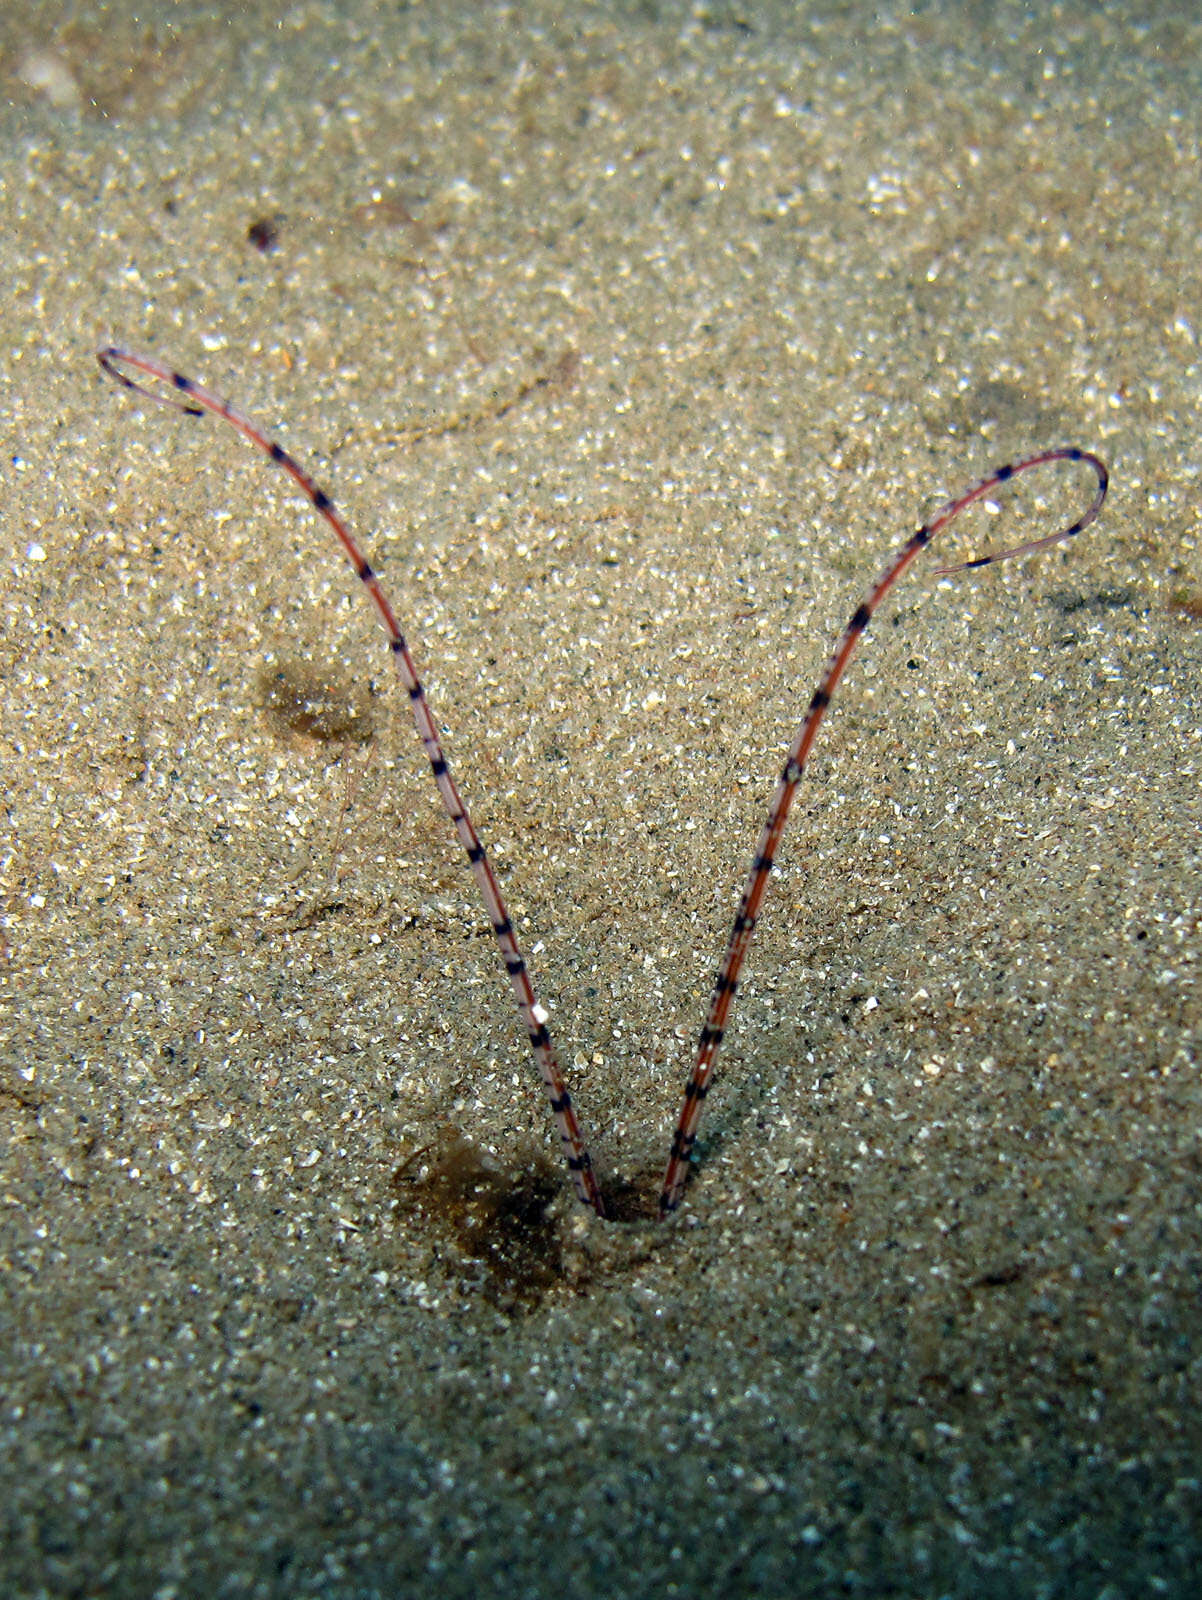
x=495 y=1215
x=514 y=1218
x=1186 y=602
x=305 y=702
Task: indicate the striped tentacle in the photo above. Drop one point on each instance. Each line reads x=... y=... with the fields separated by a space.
x=727 y=980
x=193 y=399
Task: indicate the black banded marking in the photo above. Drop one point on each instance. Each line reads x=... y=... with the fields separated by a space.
x=114 y=360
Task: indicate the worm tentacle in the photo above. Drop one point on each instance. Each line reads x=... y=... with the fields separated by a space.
x=187 y=396
x=727 y=980
x=194 y=400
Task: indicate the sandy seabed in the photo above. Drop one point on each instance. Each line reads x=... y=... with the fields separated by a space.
x=631 y=339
